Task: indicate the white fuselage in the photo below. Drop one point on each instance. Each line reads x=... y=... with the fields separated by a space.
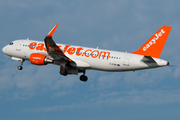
x=89 y=58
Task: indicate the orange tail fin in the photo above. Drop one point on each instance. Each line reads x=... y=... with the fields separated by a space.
x=154 y=46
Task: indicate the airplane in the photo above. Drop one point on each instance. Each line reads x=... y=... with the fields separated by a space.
x=77 y=59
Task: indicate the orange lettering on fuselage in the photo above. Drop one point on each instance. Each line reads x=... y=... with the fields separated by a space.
x=96 y=52
x=78 y=53
x=32 y=45
x=65 y=48
x=87 y=54
x=72 y=50
x=104 y=55
x=40 y=46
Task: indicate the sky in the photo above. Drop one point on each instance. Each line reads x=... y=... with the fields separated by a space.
x=40 y=92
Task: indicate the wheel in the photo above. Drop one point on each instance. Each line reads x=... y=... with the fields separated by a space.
x=19 y=67
x=64 y=72
x=83 y=78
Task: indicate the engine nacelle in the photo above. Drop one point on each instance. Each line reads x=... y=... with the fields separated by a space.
x=39 y=59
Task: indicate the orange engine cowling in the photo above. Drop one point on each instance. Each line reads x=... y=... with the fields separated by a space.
x=39 y=59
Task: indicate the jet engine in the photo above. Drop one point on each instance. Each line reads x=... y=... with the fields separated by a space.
x=40 y=59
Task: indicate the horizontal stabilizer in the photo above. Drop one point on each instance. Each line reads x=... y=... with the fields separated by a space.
x=148 y=59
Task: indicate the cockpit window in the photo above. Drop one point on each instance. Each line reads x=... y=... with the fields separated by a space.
x=11 y=43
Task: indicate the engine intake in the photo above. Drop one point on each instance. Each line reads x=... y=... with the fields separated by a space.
x=40 y=59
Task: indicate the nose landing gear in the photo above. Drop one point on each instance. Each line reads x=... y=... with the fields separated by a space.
x=20 y=67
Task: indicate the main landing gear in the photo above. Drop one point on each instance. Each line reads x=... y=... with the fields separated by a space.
x=64 y=69
x=63 y=72
x=83 y=77
x=20 y=67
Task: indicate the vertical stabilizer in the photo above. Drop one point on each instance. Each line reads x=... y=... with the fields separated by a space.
x=154 y=46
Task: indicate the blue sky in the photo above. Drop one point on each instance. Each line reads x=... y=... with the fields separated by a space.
x=124 y=25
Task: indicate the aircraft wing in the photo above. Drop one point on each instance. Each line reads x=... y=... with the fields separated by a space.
x=57 y=54
x=53 y=50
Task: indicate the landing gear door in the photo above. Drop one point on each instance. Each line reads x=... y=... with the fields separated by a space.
x=18 y=47
x=126 y=59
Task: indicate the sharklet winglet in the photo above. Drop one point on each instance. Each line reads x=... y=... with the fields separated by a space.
x=50 y=34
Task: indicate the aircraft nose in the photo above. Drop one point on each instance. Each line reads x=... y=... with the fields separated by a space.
x=4 y=50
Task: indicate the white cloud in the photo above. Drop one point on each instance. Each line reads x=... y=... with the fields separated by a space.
x=177 y=72
x=106 y=81
x=148 y=97
x=117 y=99
x=58 y=94
x=142 y=79
x=56 y=108
x=32 y=80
